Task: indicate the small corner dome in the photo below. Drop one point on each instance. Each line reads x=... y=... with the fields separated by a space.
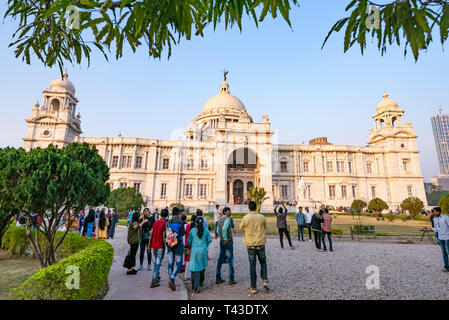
x=63 y=84
x=386 y=104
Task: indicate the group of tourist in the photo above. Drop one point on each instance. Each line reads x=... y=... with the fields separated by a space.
x=96 y=223
x=189 y=243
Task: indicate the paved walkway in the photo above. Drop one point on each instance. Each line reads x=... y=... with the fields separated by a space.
x=137 y=287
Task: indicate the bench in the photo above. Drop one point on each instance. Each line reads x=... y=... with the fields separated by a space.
x=429 y=233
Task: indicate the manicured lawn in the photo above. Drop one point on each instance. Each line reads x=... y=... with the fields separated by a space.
x=14 y=270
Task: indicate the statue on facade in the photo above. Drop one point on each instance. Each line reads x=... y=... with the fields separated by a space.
x=302 y=187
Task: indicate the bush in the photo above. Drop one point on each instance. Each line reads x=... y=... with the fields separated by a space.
x=337 y=232
x=92 y=256
x=179 y=205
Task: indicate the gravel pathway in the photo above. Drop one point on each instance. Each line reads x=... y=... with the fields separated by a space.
x=407 y=271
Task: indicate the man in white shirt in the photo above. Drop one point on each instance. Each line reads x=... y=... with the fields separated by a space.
x=441 y=225
x=217 y=216
x=309 y=216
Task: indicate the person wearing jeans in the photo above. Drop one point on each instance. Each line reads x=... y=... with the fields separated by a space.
x=223 y=229
x=441 y=225
x=301 y=221
x=327 y=230
x=309 y=216
x=175 y=253
x=254 y=226
x=157 y=244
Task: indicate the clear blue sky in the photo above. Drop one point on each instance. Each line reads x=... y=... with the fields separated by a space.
x=274 y=70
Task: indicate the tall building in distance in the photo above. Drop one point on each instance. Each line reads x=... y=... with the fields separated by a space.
x=440 y=126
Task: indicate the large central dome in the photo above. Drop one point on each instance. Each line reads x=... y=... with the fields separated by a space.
x=223 y=105
x=224 y=99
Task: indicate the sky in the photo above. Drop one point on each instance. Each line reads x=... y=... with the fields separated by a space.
x=276 y=70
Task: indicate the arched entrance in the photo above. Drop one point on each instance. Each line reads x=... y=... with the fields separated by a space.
x=238 y=191
x=242 y=172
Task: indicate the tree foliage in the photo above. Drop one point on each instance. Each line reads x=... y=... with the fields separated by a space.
x=110 y=25
x=51 y=181
x=48 y=28
x=125 y=199
x=377 y=205
x=358 y=205
x=413 y=205
x=9 y=178
x=257 y=195
x=444 y=204
x=412 y=21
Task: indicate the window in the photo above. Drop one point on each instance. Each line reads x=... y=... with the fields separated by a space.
x=114 y=161
x=353 y=192
x=137 y=187
x=373 y=191
x=343 y=192
x=203 y=190
x=284 y=191
x=284 y=166
x=190 y=164
x=305 y=166
x=308 y=191
x=330 y=167
x=332 y=192
x=204 y=164
x=138 y=162
x=189 y=190
x=405 y=164
x=340 y=166
x=349 y=166
x=409 y=191
x=368 y=167
x=123 y=185
x=126 y=161
x=163 y=190
x=165 y=163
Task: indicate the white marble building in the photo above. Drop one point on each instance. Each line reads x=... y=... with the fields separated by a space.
x=224 y=152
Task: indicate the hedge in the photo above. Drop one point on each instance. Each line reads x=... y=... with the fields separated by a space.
x=92 y=256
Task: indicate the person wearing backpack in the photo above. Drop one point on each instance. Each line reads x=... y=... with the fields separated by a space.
x=157 y=244
x=199 y=239
x=133 y=241
x=175 y=246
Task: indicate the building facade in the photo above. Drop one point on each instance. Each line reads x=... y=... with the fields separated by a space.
x=224 y=152
x=440 y=127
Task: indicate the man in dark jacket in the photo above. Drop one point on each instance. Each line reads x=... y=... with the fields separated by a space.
x=114 y=221
x=317 y=219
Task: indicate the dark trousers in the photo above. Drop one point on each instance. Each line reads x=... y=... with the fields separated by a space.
x=259 y=254
x=143 y=248
x=197 y=278
x=111 y=230
x=281 y=236
x=226 y=256
x=301 y=233
x=310 y=231
x=329 y=237
x=317 y=236
x=130 y=260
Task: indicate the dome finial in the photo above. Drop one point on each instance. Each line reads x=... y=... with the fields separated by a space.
x=225 y=74
x=385 y=96
x=65 y=75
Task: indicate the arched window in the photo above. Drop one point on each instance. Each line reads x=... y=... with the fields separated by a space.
x=394 y=121
x=382 y=123
x=55 y=104
x=249 y=185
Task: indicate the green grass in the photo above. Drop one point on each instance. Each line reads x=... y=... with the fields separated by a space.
x=14 y=270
